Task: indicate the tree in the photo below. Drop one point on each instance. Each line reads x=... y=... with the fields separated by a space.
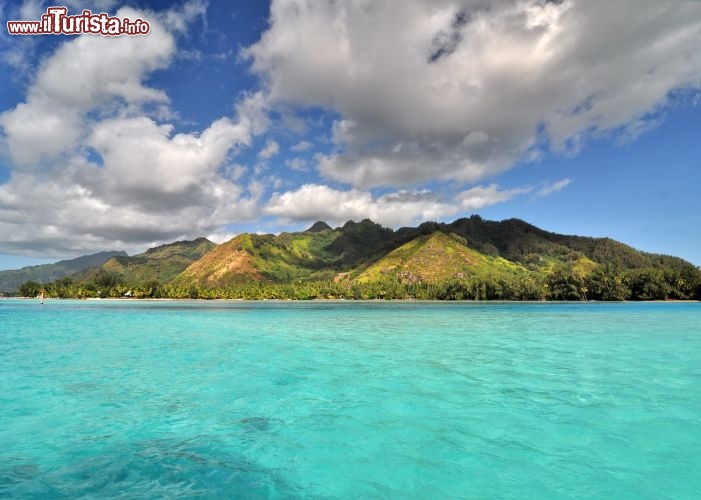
x=106 y=280
x=649 y=284
x=565 y=286
x=30 y=289
x=606 y=283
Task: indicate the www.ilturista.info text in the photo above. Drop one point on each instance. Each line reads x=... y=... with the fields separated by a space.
x=56 y=21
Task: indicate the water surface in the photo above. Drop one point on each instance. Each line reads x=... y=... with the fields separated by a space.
x=349 y=399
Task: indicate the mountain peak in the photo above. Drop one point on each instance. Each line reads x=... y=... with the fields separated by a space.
x=318 y=227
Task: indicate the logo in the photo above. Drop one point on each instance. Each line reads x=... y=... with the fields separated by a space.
x=56 y=21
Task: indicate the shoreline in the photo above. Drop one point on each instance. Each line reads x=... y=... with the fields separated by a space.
x=167 y=299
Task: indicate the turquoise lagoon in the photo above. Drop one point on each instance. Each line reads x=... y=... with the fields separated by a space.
x=129 y=399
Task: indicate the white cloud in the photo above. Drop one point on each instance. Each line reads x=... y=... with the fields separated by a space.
x=179 y=17
x=554 y=187
x=143 y=164
x=19 y=52
x=233 y=172
x=150 y=184
x=319 y=202
x=451 y=90
x=75 y=6
x=253 y=108
x=462 y=90
x=69 y=213
x=271 y=149
x=83 y=74
x=301 y=146
x=484 y=196
x=299 y=164
x=220 y=237
x=31 y=10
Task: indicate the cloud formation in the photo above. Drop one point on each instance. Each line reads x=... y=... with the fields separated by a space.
x=271 y=149
x=358 y=107
x=313 y=202
x=555 y=187
x=461 y=90
x=83 y=75
x=96 y=166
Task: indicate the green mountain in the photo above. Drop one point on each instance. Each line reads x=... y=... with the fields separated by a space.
x=10 y=281
x=284 y=258
x=317 y=254
x=156 y=266
x=521 y=242
x=437 y=258
x=470 y=258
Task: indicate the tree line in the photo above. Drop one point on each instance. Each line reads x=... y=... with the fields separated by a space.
x=605 y=283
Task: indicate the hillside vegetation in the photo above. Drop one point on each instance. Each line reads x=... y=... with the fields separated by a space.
x=470 y=258
x=436 y=258
x=10 y=281
x=161 y=264
x=140 y=275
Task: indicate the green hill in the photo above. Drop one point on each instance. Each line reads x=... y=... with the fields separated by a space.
x=225 y=264
x=284 y=258
x=157 y=265
x=529 y=245
x=436 y=258
x=10 y=281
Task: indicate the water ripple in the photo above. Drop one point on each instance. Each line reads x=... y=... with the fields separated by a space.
x=360 y=400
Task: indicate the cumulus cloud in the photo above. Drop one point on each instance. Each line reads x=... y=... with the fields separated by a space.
x=313 y=202
x=419 y=92
x=56 y=217
x=464 y=89
x=82 y=75
x=92 y=168
x=143 y=164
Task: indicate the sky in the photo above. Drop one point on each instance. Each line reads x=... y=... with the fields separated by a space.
x=577 y=116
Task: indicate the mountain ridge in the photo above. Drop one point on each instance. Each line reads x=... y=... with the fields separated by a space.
x=155 y=266
x=469 y=258
x=12 y=279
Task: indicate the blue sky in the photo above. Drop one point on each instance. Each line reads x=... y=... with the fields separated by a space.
x=578 y=117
